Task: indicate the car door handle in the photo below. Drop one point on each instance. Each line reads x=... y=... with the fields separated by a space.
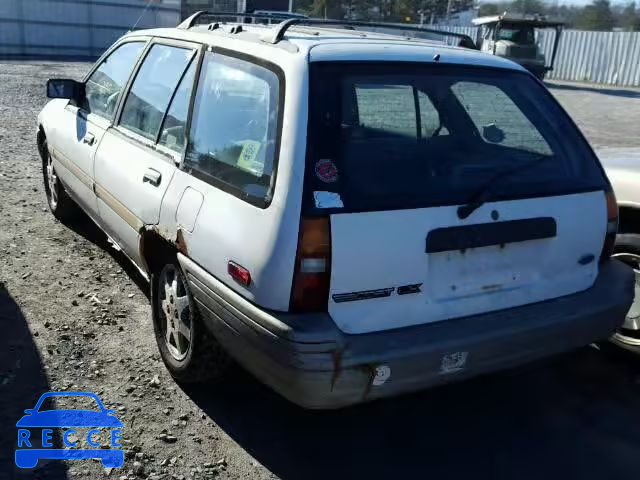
x=152 y=176
x=89 y=139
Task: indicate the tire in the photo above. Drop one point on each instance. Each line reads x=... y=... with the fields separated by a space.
x=187 y=348
x=627 y=250
x=60 y=204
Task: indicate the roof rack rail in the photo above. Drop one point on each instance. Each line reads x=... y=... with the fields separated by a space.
x=281 y=29
x=192 y=21
x=286 y=22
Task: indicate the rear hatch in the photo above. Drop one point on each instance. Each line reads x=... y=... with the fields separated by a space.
x=451 y=191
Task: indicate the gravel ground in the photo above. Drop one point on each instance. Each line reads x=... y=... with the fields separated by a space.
x=608 y=116
x=76 y=316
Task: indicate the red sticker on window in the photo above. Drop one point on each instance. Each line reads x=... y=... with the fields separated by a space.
x=326 y=171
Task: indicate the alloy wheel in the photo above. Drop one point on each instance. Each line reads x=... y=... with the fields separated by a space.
x=175 y=312
x=52 y=183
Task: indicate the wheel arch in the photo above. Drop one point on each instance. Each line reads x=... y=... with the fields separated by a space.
x=156 y=249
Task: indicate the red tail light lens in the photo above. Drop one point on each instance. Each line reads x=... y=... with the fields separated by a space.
x=312 y=273
x=239 y=273
x=612 y=226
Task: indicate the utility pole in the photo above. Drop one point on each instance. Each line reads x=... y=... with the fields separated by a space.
x=448 y=16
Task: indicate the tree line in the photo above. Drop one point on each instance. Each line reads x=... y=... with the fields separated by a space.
x=599 y=15
x=403 y=11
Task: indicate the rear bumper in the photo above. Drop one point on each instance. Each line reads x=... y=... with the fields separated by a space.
x=307 y=359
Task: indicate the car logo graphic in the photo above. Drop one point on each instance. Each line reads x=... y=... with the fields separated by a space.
x=27 y=453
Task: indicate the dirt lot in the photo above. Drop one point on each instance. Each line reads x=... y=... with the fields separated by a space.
x=76 y=317
x=608 y=116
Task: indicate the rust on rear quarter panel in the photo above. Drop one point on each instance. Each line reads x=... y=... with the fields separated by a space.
x=180 y=243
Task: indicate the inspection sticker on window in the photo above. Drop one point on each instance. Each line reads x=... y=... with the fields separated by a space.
x=327 y=200
x=326 y=170
x=453 y=362
x=247 y=159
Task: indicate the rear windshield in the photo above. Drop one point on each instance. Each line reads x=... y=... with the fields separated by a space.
x=398 y=135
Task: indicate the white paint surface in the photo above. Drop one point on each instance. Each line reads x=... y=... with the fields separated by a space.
x=378 y=250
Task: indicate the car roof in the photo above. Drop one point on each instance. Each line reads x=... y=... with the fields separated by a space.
x=319 y=43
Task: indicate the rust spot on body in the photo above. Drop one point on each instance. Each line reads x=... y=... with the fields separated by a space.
x=181 y=245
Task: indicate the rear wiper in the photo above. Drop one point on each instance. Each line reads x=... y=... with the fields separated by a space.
x=480 y=197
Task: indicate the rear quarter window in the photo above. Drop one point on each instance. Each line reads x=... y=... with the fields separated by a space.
x=235 y=127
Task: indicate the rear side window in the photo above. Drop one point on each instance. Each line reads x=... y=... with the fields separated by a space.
x=399 y=135
x=492 y=111
x=153 y=89
x=377 y=113
x=392 y=109
x=234 y=128
x=105 y=85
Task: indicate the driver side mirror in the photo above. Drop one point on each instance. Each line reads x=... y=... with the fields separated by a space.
x=65 y=88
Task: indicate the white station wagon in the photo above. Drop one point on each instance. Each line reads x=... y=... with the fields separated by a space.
x=346 y=213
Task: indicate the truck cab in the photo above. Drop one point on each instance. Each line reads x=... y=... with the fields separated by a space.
x=515 y=38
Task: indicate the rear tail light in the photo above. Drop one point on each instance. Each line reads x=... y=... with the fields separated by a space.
x=239 y=273
x=310 y=292
x=612 y=226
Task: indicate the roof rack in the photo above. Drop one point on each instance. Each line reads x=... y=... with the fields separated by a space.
x=192 y=21
x=281 y=29
x=286 y=22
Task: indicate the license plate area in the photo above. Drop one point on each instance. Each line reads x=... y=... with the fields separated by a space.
x=487 y=234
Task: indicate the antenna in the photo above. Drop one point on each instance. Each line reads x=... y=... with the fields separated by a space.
x=144 y=10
